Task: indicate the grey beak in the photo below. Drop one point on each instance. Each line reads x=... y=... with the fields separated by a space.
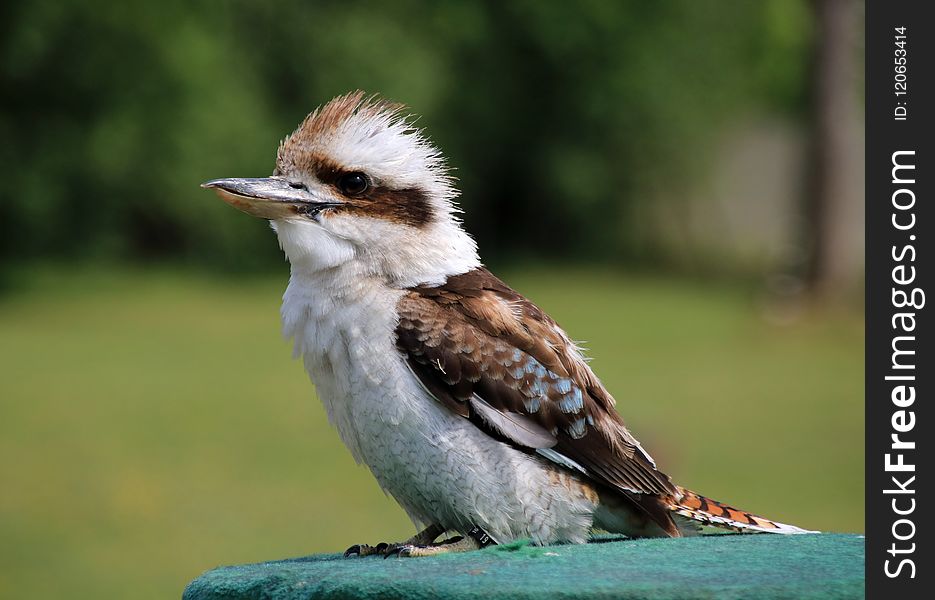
x=268 y=197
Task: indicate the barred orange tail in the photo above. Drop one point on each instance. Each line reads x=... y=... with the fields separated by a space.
x=711 y=512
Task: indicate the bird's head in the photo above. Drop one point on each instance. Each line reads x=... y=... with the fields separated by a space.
x=357 y=184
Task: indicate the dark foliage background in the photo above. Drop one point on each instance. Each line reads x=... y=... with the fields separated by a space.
x=561 y=116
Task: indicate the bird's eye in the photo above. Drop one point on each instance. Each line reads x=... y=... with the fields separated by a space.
x=353 y=184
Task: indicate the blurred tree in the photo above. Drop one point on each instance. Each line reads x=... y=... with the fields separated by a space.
x=556 y=114
x=833 y=110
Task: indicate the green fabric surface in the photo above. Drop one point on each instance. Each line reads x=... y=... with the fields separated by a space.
x=711 y=566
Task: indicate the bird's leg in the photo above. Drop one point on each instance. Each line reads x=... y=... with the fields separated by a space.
x=475 y=539
x=423 y=538
x=455 y=544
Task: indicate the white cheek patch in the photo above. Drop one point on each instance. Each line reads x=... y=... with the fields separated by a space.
x=406 y=255
x=368 y=231
x=308 y=243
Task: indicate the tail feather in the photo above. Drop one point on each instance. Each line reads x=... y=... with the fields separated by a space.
x=717 y=514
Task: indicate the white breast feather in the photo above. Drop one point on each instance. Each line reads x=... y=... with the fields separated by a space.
x=438 y=465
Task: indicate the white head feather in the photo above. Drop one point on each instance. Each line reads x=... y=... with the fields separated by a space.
x=408 y=234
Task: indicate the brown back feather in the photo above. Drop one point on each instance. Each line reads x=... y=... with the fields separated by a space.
x=474 y=335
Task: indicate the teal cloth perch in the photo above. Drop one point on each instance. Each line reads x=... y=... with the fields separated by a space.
x=710 y=566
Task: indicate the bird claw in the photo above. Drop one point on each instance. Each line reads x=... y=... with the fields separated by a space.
x=382 y=549
x=366 y=549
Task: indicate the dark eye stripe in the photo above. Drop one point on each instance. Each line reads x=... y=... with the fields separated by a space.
x=409 y=206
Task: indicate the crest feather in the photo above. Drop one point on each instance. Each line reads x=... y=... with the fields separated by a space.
x=370 y=134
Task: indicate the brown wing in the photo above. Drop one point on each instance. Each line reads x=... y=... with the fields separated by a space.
x=494 y=357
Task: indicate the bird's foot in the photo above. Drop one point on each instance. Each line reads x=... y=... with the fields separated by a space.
x=475 y=539
x=455 y=544
x=367 y=549
x=424 y=538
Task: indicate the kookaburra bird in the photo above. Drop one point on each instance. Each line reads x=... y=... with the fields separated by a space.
x=471 y=406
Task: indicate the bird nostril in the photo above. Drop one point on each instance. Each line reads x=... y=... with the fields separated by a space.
x=297 y=185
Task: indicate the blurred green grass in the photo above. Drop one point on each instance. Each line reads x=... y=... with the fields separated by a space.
x=153 y=424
